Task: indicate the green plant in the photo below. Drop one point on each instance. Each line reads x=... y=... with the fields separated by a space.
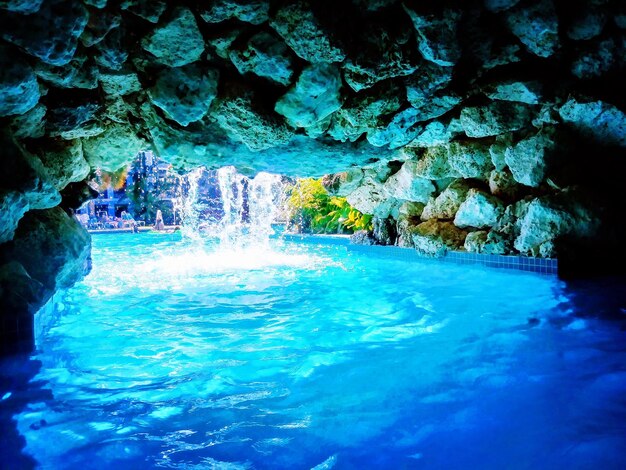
x=312 y=209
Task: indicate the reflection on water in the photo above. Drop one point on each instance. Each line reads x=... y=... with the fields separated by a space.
x=173 y=354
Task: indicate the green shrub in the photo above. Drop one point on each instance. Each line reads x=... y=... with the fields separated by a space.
x=312 y=210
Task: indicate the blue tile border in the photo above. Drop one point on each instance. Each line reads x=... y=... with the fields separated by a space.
x=544 y=266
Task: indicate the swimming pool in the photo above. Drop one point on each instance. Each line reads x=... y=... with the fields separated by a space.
x=293 y=355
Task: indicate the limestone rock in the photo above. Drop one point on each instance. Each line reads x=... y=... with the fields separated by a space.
x=30 y=124
x=21 y=6
x=522 y=92
x=367 y=196
x=54 y=248
x=74 y=122
x=479 y=210
x=389 y=208
x=596 y=59
x=99 y=26
x=363 y=237
x=51 y=34
x=498 y=149
x=530 y=158
x=433 y=163
x=469 y=159
x=437 y=133
x=63 y=160
x=437 y=36
x=384 y=230
x=79 y=73
x=503 y=185
x=496 y=118
x=185 y=93
x=13 y=206
x=599 y=120
x=19 y=91
x=587 y=24
x=500 y=5
x=254 y=11
x=447 y=203
x=265 y=56
x=342 y=184
x=491 y=243
x=111 y=51
x=296 y=23
x=110 y=150
x=149 y=10
x=402 y=129
x=314 y=97
x=434 y=238
x=536 y=26
x=222 y=43
x=258 y=131
x=428 y=80
x=178 y=42
x=19 y=293
x=407 y=185
x=119 y=83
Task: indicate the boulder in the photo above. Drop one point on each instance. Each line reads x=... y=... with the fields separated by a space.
x=363 y=237
x=112 y=149
x=596 y=59
x=530 y=158
x=521 y=92
x=384 y=230
x=19 y=293
x=111 y=51
x=437 y=133
x=79 y=73
x=62 y=159
x=342 y=184
x=491 y=243
x=407 y=185
x=178 y=42
x=265 y=56
x=447 y=203
x=19 y=90
x=428 y=80
x=185 y=93
x=587 y=23
x=434 y=238
x=402 y=129
x=296 y=23
x=74 y=122
x=389 y=208
x=51 y=34
x=503 y=185
x=21 y=6
x=99 y=26
x=598 y=120
x=119 y=84
x=433 y=163
x=469 y=159
x=536 y=25
x=149 y=10
x=496 y=118
x=13 y=206
x=222 y=44
x=500 y=5
x=314 y=97
x=436 y=35
x=479 y=210
x=249 y=11
x=369 y=195
x=31 y=124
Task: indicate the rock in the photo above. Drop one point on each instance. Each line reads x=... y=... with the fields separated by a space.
x=74 y=195
x=433 y=163
x=434 y=238
x=547 y=220
x=342 y=184
x=265 y=56
x=19 y=91
x=491 y=243
x=30 y=124
x=428 y=80
x=447 y=203
x=596 y=59
x=498 y=149
x=185 y=93
x=364 y=111
x=536 y=26
x=222 y=43
x=19 y=293
x=120 y=83
x=112 y=149
x=63 y=160
x=111 y=50
x=522 y=92
x=149 y=10
x=437 y=133
x=389 y=208
x=402 y=129
x=99 y=26
x=13 y=206
x=314 y=97
x=496 y=118
x=96 y=3
x=384 y=230
x=296 y=23
x=21 y=6
x=407 y=185
x=74 y=122
x=530 y=158
x=367 y=196
x=479 y=210
x=79 y=73
x=586 y=24
x=437 y=36
x=503 y=185
x=508 y=224
x=598 y=120
x=363 y=237
x=500 y=5
x=254 y=11
x=257 y=130
x=54 y=249
x=469 y=159
x=51 y=34
x=178 y=42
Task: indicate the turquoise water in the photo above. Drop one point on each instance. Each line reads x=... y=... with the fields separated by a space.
x=171 y=355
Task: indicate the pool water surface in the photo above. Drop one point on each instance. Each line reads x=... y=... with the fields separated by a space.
x=292 y=355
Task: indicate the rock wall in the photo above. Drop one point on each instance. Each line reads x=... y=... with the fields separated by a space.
x=504 y=117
